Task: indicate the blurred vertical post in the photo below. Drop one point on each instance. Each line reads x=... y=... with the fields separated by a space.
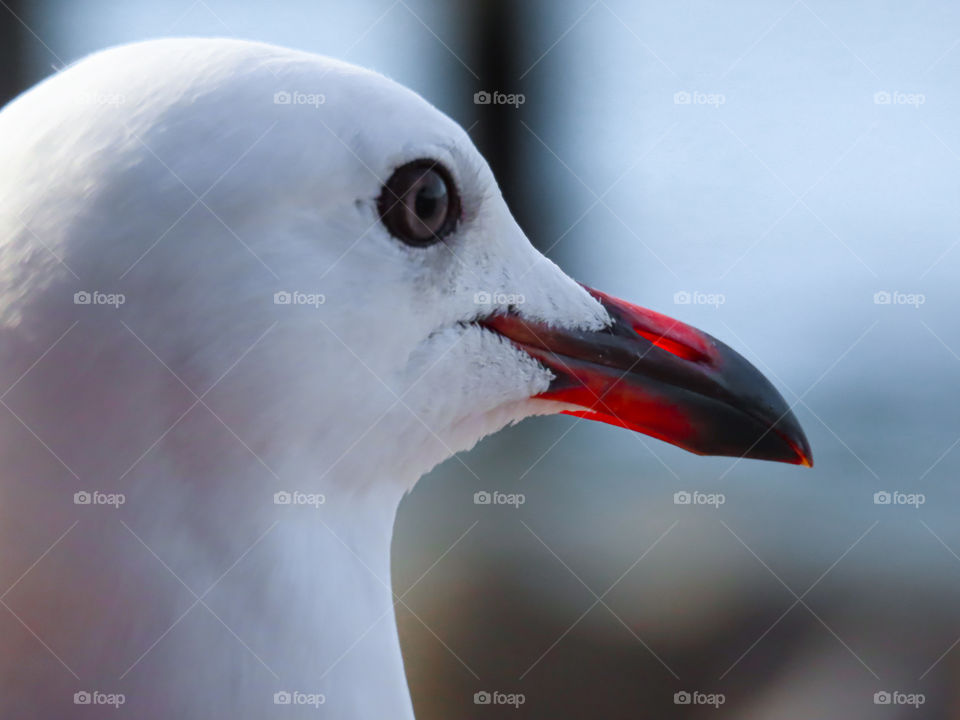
x=12 y=78
x=498 y=43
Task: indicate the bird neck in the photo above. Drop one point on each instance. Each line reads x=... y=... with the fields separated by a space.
x=311 y=603
x=205 y=593
x=202 y=596
x=328 y=604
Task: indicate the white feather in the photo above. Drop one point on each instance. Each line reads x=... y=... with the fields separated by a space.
x=166 y=172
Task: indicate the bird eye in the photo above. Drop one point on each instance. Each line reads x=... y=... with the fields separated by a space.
x=419 y=203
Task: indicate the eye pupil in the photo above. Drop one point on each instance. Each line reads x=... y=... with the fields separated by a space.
x=430 y=196
x=430 y=203
x=425 y=206
x=419 y=204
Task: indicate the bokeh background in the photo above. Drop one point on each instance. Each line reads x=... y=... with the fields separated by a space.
x=784 y=175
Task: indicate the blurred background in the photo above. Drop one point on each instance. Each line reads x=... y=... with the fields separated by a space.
x=784 y=175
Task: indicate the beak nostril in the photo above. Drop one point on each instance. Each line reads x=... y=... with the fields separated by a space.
x=668 y=334
x=674 y=347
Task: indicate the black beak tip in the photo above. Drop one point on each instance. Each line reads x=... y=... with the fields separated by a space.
x=781 y=440
x=790 y=433
x=767 y=426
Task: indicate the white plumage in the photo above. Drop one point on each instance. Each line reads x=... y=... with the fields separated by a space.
x=166 y=172
x=208 y=331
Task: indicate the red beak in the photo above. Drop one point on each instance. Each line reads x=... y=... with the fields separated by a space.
x=658 y=376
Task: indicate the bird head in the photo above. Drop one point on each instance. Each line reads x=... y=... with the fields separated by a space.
x=249 y=188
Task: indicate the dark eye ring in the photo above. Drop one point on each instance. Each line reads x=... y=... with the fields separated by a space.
x=419 y=204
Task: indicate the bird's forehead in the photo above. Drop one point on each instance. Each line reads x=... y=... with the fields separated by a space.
x=378 y=123
x=314 y=115
x=383 y=125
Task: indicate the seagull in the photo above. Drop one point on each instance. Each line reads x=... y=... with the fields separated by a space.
x=248 y=296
